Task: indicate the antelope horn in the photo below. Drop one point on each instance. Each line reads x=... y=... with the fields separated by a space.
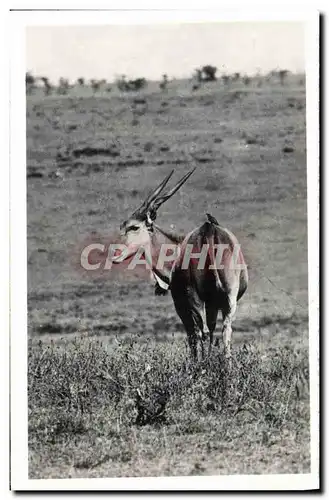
x=161 y=199
x=152 y=196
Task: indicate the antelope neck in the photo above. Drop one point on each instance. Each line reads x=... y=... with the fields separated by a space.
x=163 y=275
x=172 y=237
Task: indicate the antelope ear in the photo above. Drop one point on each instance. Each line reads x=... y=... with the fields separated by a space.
x=151 y=214
x=150 y=217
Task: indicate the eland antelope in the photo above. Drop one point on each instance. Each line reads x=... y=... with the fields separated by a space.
x=201 y=285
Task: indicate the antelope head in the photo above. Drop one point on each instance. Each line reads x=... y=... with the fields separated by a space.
x=137 y=230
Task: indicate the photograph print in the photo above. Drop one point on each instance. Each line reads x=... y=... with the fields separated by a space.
x=167 y=253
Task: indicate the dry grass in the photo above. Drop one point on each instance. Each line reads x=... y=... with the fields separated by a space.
x=100 y=412
x=135 y=406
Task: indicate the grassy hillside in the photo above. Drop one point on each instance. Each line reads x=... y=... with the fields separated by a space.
x=90 y=161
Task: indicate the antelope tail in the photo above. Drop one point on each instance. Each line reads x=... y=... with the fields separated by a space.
x=209 y=237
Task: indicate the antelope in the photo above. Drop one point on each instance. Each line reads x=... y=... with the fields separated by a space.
x=199 y=292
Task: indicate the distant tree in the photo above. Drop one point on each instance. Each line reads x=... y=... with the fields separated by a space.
x=198 y=75
x=226 y=79
x=283 y=75
x=95 y=85
x=236 y=77
x=197 y=79
x=205 y=74
x=29 y=83
x=47 y=87
x=81 y=81
x=164 y=83
x=246 y=80
x=121 y=83
x=209 y=73
x=63 y=86
x=29 y=78
x=136 y=84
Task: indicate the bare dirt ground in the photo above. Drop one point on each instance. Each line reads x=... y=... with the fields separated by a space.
x=90 y=162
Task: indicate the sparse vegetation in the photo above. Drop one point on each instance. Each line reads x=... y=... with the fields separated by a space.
x=47 y=87
x=131 y=85
x=283 y=76
x=226 y=79
x=207 y=73
x=63 y=86
x=123 y=398
x=246 y=80
x=29 y=83
x=164 y=83
x=93 y=400
x=29 y=79
x=198 y=75
x=95 y=85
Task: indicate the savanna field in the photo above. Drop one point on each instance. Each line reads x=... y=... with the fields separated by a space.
x=112 y=390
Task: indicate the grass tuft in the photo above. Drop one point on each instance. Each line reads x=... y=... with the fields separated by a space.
x=83 y=394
